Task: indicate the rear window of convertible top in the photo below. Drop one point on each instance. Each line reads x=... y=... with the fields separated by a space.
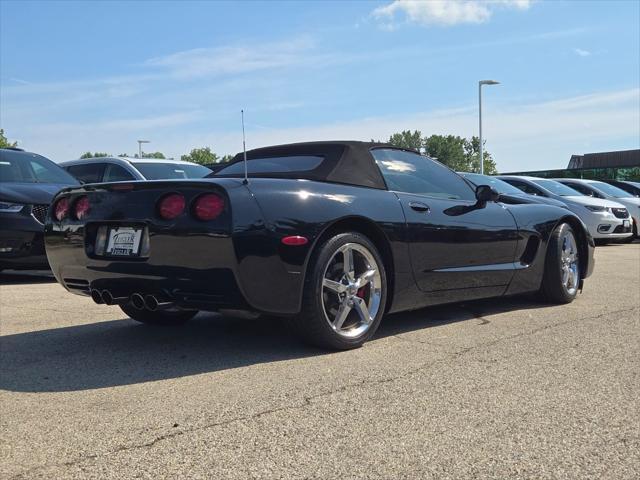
x=285 y=164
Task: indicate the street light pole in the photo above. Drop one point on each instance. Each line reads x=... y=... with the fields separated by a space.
x=480 y=84
x=140 y=142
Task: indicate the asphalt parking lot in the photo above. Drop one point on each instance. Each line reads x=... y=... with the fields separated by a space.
x=501 y=389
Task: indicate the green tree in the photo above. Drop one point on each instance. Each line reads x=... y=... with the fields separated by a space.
x=448 y=149
x=201 y=156
x=458 y=153
x=94 y=155
x=407 y=139
x=205 y=156
x=4 y=143
x=472 y=152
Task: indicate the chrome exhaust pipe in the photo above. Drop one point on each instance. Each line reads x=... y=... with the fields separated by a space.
x=153 y=304
x=109 y=299
x=96 y=296
x=137 y=301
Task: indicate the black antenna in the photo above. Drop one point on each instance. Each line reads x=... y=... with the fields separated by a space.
x=244 y=151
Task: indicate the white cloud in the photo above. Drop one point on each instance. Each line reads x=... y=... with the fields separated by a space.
x=582 y=53
x=233 y=59
x=443 y=12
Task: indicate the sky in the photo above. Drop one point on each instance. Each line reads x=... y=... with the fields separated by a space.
x=98 y=76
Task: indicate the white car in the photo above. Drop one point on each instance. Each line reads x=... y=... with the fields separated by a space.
x=124 y=169
x=606 y=220
x=597 y=189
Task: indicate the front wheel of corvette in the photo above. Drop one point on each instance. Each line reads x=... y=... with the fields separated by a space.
x=344 y=293
x=163 y=318
x=561 y=278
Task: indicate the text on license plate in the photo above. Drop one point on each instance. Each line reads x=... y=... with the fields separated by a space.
x=123 y=241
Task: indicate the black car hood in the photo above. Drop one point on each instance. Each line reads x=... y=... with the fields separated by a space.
x=30 y=193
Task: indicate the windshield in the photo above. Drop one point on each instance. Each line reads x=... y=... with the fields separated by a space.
x=558 y=188
x=611 y=190
x=167 y=170
x=497 y=184
x=20 y=167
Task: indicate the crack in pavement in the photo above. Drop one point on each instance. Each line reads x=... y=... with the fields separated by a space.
x=309 y=400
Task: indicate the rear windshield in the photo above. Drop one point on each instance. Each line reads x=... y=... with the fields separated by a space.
x=286 y=164
x=558 y=188
x=19 y=167
x=164 y=170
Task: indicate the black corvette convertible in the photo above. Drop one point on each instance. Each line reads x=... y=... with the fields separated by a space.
x=332 y=235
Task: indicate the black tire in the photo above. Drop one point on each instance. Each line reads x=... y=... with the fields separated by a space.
x=163 y=318
x=554 y=289
x=312 y=324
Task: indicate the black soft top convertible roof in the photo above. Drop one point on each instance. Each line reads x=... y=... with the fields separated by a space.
x=347 y=162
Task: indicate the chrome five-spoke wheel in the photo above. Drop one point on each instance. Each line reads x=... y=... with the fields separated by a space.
x=569 y=262
x=351 y=290
x=561 y=280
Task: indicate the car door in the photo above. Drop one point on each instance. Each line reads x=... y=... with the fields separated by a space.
x=458 y=248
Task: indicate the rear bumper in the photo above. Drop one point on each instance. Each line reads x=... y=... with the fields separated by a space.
x=195 y=271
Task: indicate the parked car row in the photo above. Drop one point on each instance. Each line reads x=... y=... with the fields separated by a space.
x=610 y=213
x=611 y=209
x=332 y=234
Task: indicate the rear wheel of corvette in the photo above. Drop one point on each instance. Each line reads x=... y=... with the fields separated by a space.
x=164 y=318
x=344 y=293
x=562 y=267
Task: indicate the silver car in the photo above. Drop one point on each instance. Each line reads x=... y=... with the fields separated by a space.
x=606 y=220
x=597 y=189
x=122 y=169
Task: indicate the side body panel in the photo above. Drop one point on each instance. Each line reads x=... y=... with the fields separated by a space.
x=459 y=250
x=309 y=208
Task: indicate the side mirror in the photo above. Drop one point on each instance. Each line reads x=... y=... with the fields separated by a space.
x=484 y=194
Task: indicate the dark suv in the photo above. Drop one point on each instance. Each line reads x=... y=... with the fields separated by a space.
x=28 y=182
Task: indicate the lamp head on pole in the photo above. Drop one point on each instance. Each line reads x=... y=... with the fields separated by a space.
x=488 y=82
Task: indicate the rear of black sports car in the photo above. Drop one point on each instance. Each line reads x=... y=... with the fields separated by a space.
x=174 y=241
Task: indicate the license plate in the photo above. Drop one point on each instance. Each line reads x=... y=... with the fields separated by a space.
x=625 y=223
x=123 y=241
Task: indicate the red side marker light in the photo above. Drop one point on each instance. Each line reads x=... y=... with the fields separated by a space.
x=61 y=209
x=171 y=206
x=295 y=240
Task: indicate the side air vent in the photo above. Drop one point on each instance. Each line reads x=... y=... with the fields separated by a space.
x=530 y=250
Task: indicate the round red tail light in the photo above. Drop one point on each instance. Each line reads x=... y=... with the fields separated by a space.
x=171 y=206
x=82 y=207
x=208 y=206
x=61 y=209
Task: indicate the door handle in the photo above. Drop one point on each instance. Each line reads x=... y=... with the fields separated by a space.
x=419 y=207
